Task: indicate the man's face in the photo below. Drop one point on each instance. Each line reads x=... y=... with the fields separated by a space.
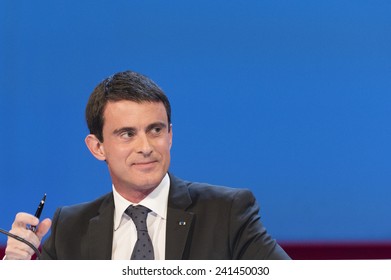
x=137 y=142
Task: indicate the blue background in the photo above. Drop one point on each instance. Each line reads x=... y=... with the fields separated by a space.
x=289 y=98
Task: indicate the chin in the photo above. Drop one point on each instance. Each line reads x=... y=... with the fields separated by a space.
x=149 y=183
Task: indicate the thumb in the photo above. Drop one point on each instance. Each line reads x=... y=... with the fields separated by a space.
x=43 y=228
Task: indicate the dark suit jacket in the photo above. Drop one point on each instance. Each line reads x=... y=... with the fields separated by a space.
x=203 y=222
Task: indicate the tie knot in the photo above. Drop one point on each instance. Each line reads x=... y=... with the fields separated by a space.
x=139 y=215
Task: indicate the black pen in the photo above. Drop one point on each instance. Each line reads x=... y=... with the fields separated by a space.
x=39 y=211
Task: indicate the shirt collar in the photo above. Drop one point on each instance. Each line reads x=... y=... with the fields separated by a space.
x=157 y=201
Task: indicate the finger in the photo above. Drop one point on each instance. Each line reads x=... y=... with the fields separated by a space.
x=25 y=234
x=18 y=250
x=16 y=253
x=23 y=219
x=43 y=228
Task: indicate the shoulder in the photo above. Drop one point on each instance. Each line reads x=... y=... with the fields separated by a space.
x=86 y=209
x=207 y=191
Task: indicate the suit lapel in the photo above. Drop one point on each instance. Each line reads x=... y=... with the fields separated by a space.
x=100 y=231
x=179 y=220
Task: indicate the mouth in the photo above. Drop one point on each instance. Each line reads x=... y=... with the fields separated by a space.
x=145 y=164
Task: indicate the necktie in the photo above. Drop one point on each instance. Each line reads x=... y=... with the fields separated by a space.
x=143 y=249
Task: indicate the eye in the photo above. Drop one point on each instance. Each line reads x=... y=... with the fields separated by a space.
x=126 y=134
x=156 y=130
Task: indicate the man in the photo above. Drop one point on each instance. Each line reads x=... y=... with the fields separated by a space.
x=129 y=118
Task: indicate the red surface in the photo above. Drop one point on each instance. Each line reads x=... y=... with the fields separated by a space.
x=338 y=250
x=329 y=251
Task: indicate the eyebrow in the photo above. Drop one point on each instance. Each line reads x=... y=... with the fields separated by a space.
x=132 y=129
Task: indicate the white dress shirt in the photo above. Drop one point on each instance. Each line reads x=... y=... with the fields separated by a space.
x=125 y=233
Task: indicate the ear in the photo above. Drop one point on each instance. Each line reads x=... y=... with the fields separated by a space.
x=95 y=146
x=170 y=136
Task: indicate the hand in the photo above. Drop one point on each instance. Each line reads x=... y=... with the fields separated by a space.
x=17 y=250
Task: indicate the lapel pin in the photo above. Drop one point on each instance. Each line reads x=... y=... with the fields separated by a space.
x=182 y=223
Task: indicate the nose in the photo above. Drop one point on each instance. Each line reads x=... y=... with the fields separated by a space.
x=144 y=146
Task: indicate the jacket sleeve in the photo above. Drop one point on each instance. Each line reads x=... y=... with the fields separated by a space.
x=248 y=237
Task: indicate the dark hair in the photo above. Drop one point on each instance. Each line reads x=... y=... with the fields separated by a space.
x=126 y=85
